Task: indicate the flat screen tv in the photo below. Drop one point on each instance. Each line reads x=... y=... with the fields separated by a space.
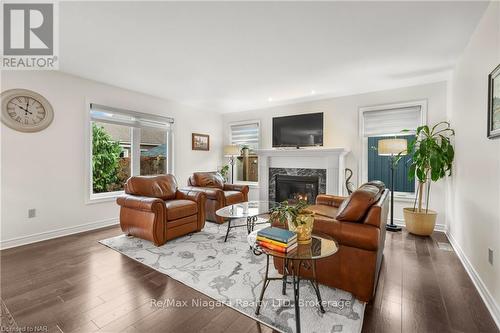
x=303 y=130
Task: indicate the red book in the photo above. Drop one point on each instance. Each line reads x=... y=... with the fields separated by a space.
x=275 y=247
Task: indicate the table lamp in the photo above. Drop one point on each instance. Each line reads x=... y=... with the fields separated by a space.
x=392 y=148
x=231 y=151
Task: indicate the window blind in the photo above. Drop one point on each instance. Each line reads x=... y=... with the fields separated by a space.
x=245 y=134
x=391 y=121
x=126 y=117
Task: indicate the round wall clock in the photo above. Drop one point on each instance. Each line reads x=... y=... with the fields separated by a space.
x=25 y=110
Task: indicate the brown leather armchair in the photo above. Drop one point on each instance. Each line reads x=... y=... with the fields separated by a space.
x=357 y=223
x=218 y=193
x=152 y=208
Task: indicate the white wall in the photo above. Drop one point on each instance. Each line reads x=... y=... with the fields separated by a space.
x=46 y=170
x=342 y=126
x=474 y=201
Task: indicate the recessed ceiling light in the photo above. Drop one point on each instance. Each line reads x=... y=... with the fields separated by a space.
x=269 y=99
x=313 y=92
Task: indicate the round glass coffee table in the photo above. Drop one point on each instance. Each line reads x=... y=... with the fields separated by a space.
x=250 y=210
x=304 y=256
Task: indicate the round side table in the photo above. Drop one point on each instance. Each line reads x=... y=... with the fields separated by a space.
x=304 y=256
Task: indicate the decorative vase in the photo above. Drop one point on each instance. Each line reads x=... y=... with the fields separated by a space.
x=420 y=223
x=303 y=226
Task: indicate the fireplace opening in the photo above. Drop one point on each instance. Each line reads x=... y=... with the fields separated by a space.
x=296 y=188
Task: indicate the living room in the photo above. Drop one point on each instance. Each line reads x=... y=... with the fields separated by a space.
x=155 y=154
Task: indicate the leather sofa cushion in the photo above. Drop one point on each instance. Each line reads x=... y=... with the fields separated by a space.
x=177 y=209
x=163 y=187
x=355 y=207
x=233 y=197
x=357 y=235
x=324 y=210
x=208 y=179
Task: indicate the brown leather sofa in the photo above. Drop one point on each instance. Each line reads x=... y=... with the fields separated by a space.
x=218 y=193
x=357 y=223
x=152 y=208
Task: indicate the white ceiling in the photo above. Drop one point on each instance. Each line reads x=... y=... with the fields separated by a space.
x=236 y=56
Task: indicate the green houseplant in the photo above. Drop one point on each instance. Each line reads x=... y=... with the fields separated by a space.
x=432 y=156
x=224 y=171
x=296 y=218
x=105 y=160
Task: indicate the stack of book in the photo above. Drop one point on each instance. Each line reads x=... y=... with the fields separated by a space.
x=277 y=239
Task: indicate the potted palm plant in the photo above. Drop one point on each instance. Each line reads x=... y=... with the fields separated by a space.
x=296 y=218
x=432 y=156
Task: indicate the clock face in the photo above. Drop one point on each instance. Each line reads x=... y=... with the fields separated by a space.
x=25 y=110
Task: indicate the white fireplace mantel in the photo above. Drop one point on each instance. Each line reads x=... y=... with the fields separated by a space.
x=331 y=159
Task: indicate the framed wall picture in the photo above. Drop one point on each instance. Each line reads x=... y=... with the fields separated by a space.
x=200 y=141
x=494 y=104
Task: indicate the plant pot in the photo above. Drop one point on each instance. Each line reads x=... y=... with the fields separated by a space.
x=303 y=226
x=422 y=223
x=245 y=152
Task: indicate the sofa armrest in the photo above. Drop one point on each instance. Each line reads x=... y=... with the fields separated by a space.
x=211 y=193
x=188 y=194
x=329 y=200
x=143 y=217
x=236 y=187
x=140 y=203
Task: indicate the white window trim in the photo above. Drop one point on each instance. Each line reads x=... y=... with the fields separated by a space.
x=94 y=198
x=363 y=175
x=230 y=141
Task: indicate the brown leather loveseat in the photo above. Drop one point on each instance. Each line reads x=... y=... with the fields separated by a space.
x=218 y=193
x=152 y=208
x=357 y=223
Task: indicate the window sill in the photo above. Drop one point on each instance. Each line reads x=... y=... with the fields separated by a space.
x=249 y=184
x=404 y=197
x=103 y=197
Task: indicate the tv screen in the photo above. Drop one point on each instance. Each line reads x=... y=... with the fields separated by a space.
x=302 y=130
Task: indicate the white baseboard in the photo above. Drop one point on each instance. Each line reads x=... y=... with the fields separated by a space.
x=437 y=227
x=46 y=235
x=476 y=279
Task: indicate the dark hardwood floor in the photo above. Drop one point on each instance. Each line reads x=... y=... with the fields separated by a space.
x=74 y=284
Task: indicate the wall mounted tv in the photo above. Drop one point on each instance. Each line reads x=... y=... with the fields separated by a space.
x=303 y=130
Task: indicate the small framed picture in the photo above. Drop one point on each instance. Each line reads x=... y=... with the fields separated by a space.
x=494 y=104
x=200 y=141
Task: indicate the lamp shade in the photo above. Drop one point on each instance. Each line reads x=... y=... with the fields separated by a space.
x=231 y=150
x=389 y=147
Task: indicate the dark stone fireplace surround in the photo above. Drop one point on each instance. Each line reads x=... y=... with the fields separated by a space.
x=320 y=173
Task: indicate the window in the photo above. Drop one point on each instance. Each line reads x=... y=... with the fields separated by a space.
x=125 y=143
x=153 y=151
x=246 y=166
x=110 y=156
x=380 y=123
x=379 y=166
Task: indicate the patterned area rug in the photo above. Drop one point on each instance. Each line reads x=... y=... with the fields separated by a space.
x=230 y=273
x=7 y=322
